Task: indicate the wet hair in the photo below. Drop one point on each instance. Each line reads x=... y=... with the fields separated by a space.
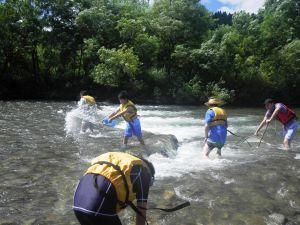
x=269 y=101
x=82 y=93
x=123 y=95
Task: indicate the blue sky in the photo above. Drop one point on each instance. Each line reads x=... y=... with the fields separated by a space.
x=251 y=6
x=233 y=5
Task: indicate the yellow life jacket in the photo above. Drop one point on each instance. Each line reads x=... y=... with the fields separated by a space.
x=220 y=117
x=128 y=116
x=117 y=166
x=89 y=99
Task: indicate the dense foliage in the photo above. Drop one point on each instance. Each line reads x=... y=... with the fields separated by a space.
x=171 y=51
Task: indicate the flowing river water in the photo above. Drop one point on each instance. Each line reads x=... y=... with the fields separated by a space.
x=43 y=154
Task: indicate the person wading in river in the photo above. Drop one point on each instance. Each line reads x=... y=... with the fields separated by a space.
x=129 y=113
x=215 y=128
x=88 y=104
x=283 y=114
x=112 y=182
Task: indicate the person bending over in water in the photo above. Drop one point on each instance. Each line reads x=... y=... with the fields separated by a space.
x=215 y=128
x=112 y=182
x=284 y=115
x=129 y=113
x=88 y=104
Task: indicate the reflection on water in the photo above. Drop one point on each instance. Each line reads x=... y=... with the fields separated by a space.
x=40 y=166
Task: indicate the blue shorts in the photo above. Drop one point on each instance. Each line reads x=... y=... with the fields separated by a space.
x=133 y=127
x=290 y=130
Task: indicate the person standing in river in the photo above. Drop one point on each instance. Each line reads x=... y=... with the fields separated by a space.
x=129 y=113
x=88 y=105
x=215 y=128
x=283 y=114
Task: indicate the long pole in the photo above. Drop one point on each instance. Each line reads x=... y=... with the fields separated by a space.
x=240 y=137
x=263 y=135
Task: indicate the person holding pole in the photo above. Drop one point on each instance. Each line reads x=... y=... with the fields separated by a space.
x=283 y=114
x=215 y=128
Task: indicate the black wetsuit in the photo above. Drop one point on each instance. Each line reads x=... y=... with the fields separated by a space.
x=92 y=207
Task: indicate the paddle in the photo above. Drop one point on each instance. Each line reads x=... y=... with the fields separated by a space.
x=106 y=122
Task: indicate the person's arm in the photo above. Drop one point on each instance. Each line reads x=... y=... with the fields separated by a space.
x=276 y=111
x=139 y=219
x=209 y=115
x=119 y=113
x=263 y=122
x=116 y=115
x=113 y=114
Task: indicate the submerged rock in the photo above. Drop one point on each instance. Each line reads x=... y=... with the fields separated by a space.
x=106 y=139
x=276 y=219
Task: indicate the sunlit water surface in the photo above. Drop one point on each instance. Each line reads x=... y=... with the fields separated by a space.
x=43 y=154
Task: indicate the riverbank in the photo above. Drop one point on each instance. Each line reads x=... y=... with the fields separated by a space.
x=68 y=92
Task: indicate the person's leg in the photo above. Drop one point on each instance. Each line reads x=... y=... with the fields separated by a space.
x=127 y=134
x=286 y=144
x=83 y=126
x=141 y=140
x=207 y=149
x=219 y=152
x=289 y=134
x=137 y=130
x=85 y=219
x=82 y=218
x=91 y=127
x=107 y=220
x=125 y=141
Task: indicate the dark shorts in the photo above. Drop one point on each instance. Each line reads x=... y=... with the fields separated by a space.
x=96 y=204
x=212 y=145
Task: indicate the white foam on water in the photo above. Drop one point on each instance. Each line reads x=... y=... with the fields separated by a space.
x=222 y=179
x=189 y=158
x=282 y=191
x=163 y=113
x=73 y=121
x=177 y=191
x=74 y=118
x=297 y=156
x=184 y=128
x=97 y=135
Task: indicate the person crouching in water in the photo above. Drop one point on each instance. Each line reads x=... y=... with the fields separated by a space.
x=215 y=128
x=284 y=115
x=88 y=104
x=129 y=113
x=112 y=182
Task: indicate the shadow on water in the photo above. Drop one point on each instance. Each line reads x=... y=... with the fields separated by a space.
x=40 y=167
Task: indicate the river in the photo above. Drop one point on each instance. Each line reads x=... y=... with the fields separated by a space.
x=42 y=156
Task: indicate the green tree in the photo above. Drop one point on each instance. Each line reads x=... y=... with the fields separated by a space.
x=117 y=67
